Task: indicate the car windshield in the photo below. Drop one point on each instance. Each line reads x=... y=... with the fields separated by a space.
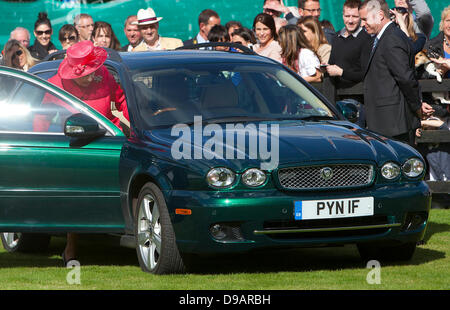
x=220 y=93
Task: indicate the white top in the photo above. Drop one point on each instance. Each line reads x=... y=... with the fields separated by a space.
x=272 y=50
x=308 y=62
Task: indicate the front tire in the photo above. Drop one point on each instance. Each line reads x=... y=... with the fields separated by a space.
x=156 y=246
x=25 y=242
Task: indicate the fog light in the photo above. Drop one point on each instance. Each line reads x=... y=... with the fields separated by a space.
x=414 y=220
x=226 y=232
x=218 y=232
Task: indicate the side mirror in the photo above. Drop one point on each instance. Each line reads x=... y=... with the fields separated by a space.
x=349 y=110
x=82 y=126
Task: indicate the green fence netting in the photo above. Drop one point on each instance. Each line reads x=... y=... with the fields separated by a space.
x=180 y=16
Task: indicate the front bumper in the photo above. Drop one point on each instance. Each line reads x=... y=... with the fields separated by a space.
x=265 y=218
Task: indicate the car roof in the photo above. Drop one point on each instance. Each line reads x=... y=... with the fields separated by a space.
x=147 y=60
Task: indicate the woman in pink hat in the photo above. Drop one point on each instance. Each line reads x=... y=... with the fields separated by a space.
x=83 y=74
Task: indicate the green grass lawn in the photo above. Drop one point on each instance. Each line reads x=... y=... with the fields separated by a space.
x=107 y=266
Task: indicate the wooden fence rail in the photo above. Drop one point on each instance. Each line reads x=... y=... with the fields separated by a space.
x=328 y=89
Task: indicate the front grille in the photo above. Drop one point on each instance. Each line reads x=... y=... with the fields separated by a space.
x=316 y=177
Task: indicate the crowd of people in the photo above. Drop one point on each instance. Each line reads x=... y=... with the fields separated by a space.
x=377 y=46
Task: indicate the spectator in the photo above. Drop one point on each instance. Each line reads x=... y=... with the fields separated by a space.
x=439 y=46
x=17 y=56
x=43 y=32
x=103 y=36
x=206 y=20
x=423 y=19
x=132 y=33
x=351 y=48
x=350 y=54
x=316 y=37
x=264 y=27
x=85 y=25
x=391 y=92
x=232 y=25
x=148 y=25
x=68 y=36
x=305 y=8
x=279 y=21
x=404 y=19
x=22 y=35
x=297 y=54
x=327 y=24
x=219 y=33
x=244 y=36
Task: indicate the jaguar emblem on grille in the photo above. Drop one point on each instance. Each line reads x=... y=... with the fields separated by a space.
x=326 y=173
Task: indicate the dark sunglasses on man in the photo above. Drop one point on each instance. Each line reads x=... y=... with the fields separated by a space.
x=40 y=32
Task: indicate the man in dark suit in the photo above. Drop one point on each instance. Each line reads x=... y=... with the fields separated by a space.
x=132 y=33
x=391 y=92
x=206 y=20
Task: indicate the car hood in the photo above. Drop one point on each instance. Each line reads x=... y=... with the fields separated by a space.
x=298 y=143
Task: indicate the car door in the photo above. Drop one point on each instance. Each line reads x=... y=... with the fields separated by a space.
x=50 y=182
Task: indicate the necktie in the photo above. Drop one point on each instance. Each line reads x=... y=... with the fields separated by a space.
x=375 y=42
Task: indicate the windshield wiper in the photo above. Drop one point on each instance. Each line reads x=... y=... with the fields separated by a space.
x=315 y=118
x=227 y=119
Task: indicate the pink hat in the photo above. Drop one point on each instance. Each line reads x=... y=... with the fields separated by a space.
x=81 y=59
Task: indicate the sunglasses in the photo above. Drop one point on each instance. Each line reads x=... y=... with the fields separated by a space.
x=71 y=38
x=401 y=10
x=40 y=32
x=17 y=53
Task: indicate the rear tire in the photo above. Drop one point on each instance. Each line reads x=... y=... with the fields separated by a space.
x=403 y=252
x=156 y=246
x=25 y=242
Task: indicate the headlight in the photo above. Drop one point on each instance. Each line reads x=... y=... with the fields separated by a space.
x=390 y=171
x=254 y=177
x=413 y=167
x=220 y=177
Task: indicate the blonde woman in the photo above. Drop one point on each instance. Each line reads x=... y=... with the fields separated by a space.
x=316 y=37
x=296 y=53
x=17 y=56
x=404 y=19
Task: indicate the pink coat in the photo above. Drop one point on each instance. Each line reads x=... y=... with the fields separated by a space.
x=99 y=94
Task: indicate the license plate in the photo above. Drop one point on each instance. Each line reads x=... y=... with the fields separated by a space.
x=333 y=208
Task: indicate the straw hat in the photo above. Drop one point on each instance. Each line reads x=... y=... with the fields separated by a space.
x=146 y=17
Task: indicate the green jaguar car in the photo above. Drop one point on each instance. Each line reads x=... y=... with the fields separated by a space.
x=226 y=153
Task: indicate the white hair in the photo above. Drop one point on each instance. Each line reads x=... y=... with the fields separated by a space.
x=11 y=36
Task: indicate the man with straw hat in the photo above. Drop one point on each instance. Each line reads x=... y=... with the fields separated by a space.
x=148 y=24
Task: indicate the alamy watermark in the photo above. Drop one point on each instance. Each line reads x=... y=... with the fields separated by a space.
x=235 y=141
x=74 y=275
x=374 y=275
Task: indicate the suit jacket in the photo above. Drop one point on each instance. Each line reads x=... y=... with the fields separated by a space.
x=192 y=41
x=166 y=44
x=391 y=91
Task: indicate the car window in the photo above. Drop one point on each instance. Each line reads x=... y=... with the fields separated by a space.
x=27 y=107
x=220 y=91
